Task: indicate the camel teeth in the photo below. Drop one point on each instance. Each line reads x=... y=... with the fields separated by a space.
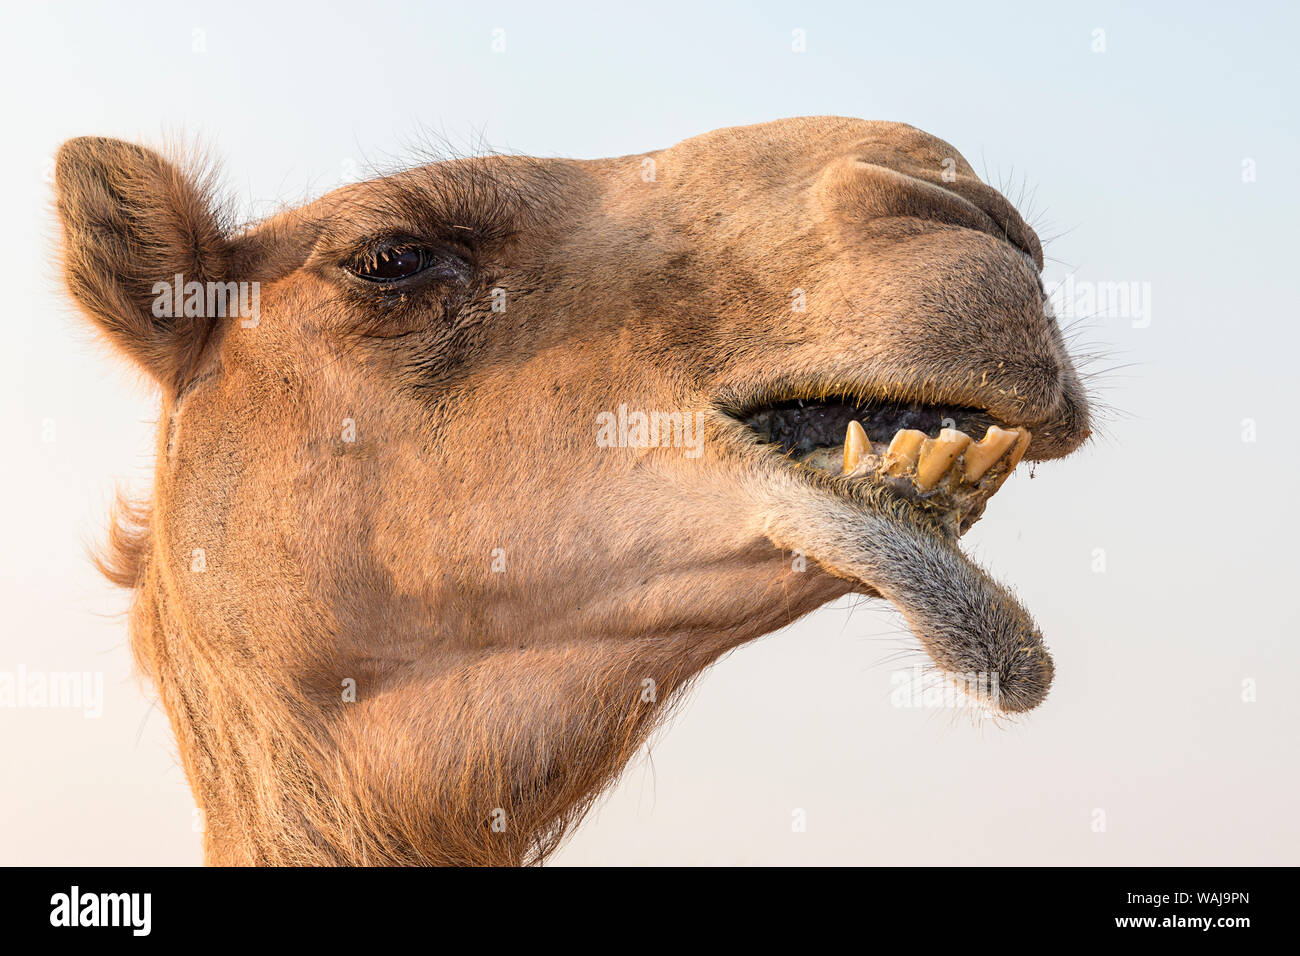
x=937 y=456
x=1019 y=451
x=856 y=444
x=979 y=457
x=903 y=451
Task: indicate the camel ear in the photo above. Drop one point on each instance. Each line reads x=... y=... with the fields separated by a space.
x=132 y=222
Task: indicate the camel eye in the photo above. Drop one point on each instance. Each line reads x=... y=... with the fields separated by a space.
x=393 y=264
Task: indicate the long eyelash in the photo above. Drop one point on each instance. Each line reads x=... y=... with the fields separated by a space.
x=470 y=201
x=381 y=248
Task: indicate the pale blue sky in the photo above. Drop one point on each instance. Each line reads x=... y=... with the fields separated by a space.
x=1134 y=156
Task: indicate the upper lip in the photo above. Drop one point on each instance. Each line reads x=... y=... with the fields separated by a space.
x=738 y=402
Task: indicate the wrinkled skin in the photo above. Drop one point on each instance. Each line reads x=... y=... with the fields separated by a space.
x=515 y=603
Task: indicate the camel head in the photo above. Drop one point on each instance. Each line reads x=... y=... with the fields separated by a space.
x=495 y=454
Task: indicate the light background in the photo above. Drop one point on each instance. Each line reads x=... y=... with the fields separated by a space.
x=1135 y=154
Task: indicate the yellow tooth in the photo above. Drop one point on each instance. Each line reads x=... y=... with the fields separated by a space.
x=900 y=458
x=856 y=445
x=980 y=456
x=1013 y=459
x=1019 y=451
x=937 y=456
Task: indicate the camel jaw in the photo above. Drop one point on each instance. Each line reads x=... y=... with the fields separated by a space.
x=887 y=514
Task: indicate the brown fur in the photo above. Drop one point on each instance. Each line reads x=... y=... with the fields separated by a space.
x=522 y=692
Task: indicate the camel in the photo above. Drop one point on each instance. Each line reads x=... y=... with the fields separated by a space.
x=515 y=448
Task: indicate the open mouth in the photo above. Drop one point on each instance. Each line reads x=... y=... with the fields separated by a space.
x=895 y=486
x=922 y=452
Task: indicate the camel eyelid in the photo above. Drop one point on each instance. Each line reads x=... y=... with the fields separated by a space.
x=370 y=252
